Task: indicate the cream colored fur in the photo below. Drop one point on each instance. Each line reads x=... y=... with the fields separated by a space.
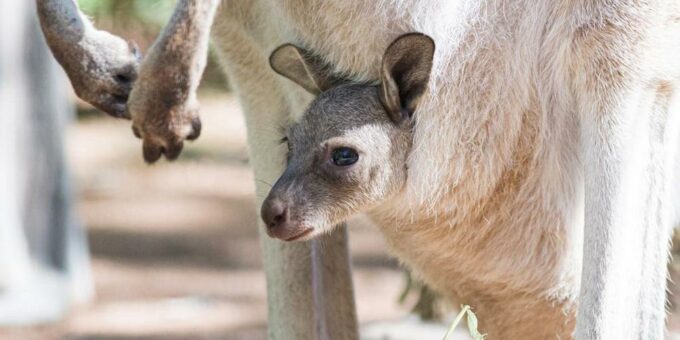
x=493 y=214
x=544 y=147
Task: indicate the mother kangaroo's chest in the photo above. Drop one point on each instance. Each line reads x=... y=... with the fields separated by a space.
x=522 y=234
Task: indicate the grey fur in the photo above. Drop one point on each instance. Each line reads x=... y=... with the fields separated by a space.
x=380 y=114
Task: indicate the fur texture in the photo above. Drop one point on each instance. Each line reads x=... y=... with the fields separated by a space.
x=493 y=212
x=543 y=148
x=101 y=66
x=163 y=103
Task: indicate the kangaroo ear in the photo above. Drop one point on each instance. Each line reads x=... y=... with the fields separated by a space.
x=405 y=72
x=303 y=68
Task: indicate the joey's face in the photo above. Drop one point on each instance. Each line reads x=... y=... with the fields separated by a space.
x=345 y=156
x=348 y=153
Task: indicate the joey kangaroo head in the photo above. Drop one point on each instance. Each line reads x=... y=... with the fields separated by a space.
x=348 y=153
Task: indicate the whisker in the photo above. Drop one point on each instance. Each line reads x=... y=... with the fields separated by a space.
x=264 y=182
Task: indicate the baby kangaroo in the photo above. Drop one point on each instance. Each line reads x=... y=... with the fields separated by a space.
x=348 y=153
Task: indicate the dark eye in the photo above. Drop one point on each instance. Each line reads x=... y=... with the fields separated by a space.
x=344 y=156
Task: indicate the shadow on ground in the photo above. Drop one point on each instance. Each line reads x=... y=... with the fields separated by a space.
x=175 y=248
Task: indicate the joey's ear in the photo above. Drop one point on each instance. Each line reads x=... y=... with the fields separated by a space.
x=303 y=68
x=405 y=71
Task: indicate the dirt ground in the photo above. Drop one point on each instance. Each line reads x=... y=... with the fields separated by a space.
x=175 y=249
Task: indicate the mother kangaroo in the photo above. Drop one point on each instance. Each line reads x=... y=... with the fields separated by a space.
x=546 y=140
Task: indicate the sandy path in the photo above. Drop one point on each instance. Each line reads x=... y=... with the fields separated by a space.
x=175 y=247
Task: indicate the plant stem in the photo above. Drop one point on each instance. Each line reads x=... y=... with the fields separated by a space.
x=456 y=321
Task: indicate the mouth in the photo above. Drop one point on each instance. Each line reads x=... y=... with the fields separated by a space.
x=300 y=235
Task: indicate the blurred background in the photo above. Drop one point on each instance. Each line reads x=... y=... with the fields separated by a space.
x=117 y=249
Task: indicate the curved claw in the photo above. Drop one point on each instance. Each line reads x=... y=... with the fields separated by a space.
x=151 y=152
x=160 y=141
x=114 y=105
x=173 y=150
x=195 y=129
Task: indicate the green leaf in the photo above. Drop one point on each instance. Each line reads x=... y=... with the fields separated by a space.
x=471 y=323
x=472 y=326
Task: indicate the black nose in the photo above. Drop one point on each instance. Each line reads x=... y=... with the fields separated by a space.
x=274 y=213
